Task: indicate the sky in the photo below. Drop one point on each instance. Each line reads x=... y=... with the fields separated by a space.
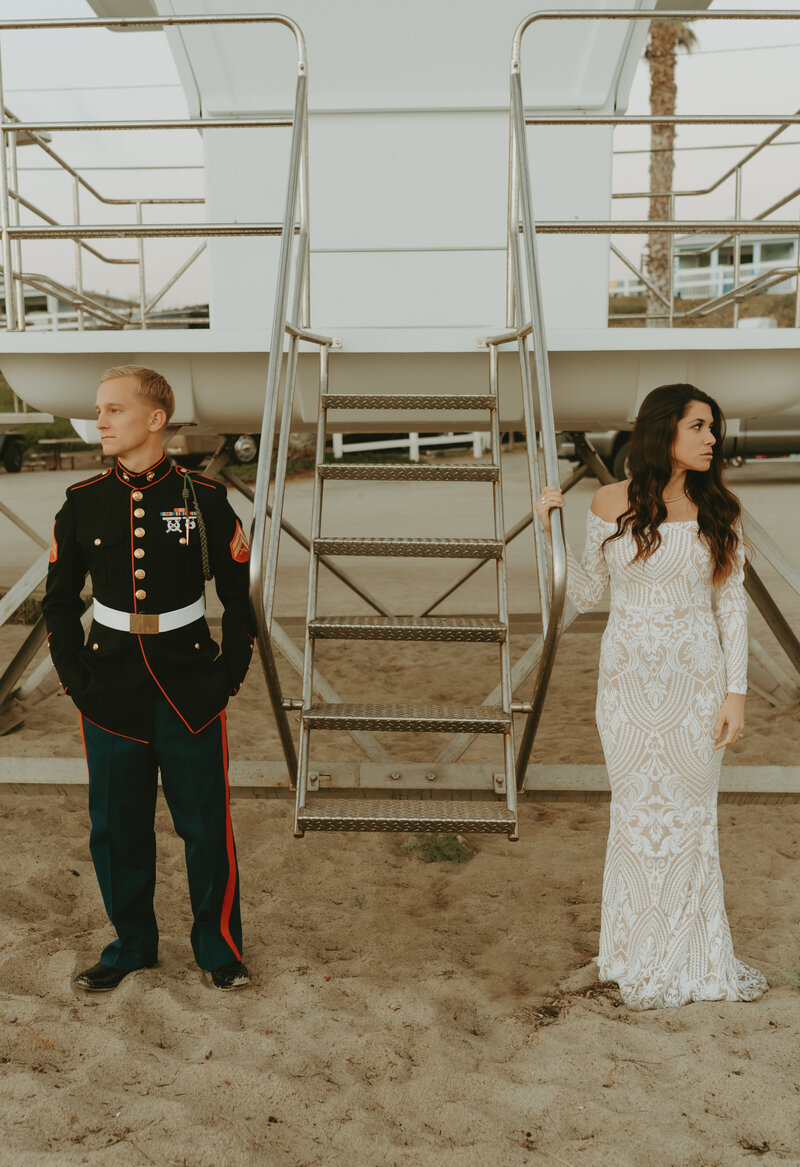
x=737 y=67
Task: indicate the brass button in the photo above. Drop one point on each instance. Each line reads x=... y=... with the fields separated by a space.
x=139 y=513
x=182 y=540
x=139 y=553
x=197 y=646
x=97 y=542
x=137 y=496
x=141 y=594
x=140 y=573
x=139 y=532
x=95 y=647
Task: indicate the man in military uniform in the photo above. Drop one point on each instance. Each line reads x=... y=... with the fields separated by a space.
x=150 y=683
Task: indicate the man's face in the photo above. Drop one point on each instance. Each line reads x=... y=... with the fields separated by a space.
x=125 y=422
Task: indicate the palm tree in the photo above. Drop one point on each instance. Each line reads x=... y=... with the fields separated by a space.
x=667 y=37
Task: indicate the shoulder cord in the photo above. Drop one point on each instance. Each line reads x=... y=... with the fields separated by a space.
x=188 y=485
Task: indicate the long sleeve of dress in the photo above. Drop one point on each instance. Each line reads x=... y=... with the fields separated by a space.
x=587 y=580
x=732 y=623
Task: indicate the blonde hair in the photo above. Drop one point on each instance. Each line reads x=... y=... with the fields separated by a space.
x=150 y=385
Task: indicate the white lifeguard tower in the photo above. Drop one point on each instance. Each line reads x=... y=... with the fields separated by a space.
x=387 y=249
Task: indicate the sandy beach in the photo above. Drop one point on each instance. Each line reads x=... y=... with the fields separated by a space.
x=401 y=1012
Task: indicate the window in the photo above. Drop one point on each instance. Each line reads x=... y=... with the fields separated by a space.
x=726 y=255
x=773 y=252
x=694 y=261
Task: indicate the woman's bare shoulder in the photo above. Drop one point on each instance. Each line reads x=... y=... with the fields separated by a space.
x=611 y=501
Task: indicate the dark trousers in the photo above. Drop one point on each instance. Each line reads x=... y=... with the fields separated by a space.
x=123 y=782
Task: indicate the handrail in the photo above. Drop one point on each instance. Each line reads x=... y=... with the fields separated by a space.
x=32 y=207
x=261 y=589
x=668 y=226
x=682 y=14
x=215 y=123
x=87 y=186
x=11 y=127
x=261 y=604
x=143 y=230
x=649 y=226
x=552 y=586
x=552 y=576
x=161 y=22
x=685 y=194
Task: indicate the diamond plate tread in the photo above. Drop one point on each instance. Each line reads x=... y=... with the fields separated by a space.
x=407 y=401
x=414 y=548
x=415 y=718
x=376 y=472
x=450 y=628
x=385 y=814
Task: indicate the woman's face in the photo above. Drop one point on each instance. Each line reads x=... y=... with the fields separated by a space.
x=694 y=442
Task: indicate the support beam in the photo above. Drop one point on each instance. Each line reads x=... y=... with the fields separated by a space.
x=775 y=619
x=22 y=659
x=300 y=538
x=287 y=647
x=23 y=588
x=520 y=672
x=512 y=533
x=771 y=550
x=268 y=779
x=23 y=526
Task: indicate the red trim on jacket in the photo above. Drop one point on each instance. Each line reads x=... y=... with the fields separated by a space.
x=121 y=469
x=89 y=481
x=171 y=702
x=113 y=732
x=133 y=561
x=230 y=887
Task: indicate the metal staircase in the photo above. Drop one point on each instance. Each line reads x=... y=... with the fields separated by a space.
x=327 y=811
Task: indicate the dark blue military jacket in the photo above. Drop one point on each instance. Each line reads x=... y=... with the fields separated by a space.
x=141 y=545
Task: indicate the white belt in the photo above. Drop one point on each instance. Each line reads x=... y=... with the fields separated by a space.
x=146 y=623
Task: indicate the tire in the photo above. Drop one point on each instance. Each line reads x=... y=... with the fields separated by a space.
x=620 y=466
x=13 y=455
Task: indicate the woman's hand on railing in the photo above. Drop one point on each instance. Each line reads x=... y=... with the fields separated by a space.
x=550 y=499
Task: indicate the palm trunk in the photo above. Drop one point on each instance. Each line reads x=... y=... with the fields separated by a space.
x=658 y=254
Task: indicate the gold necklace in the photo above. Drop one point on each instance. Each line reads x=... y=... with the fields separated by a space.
x=678 y=499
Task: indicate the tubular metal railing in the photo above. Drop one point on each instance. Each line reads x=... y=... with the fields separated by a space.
x=85 y=305
x=295 y=224
x=523 y=229
x=738 y=292
x=12 y=232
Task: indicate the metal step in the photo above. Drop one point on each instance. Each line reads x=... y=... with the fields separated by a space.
x=450 y=628
x=386 y=814
x=407 y=401
x=416 y=548
x=416 y=718
x=387 y=471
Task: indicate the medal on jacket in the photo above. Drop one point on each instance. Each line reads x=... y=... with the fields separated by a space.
x=180 y=521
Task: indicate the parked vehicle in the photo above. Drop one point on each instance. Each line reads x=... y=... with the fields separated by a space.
x=193 y=449
x=776 y=435
x=12 y=450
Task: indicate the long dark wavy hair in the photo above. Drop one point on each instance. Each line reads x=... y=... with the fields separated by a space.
x=650 y=465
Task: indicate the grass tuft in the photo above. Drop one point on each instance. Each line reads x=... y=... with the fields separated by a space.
x=436 y=848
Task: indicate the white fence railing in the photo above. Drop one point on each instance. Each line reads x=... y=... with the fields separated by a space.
x=413 y=443
x=705 y=282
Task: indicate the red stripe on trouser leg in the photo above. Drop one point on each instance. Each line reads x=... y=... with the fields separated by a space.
x=230 y=887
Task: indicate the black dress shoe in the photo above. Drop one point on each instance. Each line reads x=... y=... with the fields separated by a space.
x=230 y=976
x=102 y=978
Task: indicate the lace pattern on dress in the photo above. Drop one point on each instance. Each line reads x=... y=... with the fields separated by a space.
x=666 y=663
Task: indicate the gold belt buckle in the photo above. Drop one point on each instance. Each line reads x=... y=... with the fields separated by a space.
x=144 y=623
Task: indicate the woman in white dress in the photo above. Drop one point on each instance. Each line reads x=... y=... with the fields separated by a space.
x=673 y=678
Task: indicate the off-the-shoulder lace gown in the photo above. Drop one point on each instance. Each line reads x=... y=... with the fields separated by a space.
x=666 y=664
